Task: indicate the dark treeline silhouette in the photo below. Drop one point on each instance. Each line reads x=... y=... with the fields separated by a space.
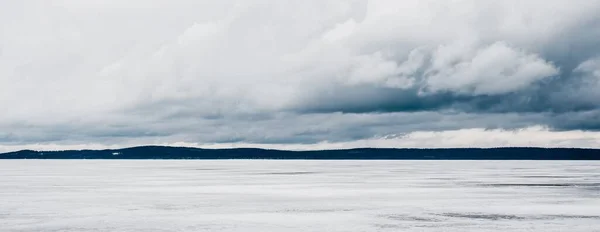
x=161 y=152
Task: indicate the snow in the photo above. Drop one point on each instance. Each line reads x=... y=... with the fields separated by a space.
x=293 y=195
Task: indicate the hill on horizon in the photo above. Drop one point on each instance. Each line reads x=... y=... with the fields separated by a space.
x=165 y=152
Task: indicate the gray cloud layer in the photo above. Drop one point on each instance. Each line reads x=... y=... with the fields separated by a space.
x=293 y=72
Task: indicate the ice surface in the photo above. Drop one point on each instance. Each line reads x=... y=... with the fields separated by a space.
x=269 y=195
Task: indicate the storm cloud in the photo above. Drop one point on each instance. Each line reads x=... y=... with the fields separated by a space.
x=303 y=73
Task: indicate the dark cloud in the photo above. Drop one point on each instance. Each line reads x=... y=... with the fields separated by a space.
x=585 y=120
x=281 y=129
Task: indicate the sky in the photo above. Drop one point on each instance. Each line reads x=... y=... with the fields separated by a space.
x=313 y=74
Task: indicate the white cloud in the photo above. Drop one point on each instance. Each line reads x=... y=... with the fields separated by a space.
x=72 y=61
x=495 y=69
x=590 y=67
x=535 y=136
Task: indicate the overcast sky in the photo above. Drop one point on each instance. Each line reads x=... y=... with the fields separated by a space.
x=309 y=74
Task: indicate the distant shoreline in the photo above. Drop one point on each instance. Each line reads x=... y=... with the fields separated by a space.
x=164 y=152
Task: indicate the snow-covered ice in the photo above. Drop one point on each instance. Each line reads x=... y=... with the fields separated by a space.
x=293 y=195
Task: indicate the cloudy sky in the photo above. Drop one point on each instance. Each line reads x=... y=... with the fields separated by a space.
x=309 y=74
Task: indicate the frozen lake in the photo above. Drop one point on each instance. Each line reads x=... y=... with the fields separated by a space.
x=270 y=195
